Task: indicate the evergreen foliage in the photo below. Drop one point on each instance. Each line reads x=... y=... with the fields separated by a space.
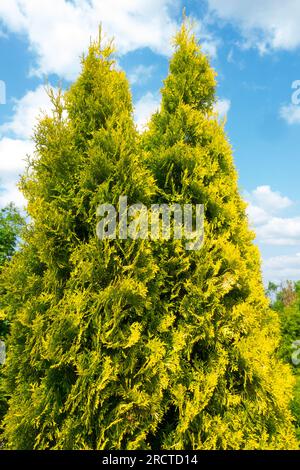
x=122 y=344
x=229 y=391
x=77 y=357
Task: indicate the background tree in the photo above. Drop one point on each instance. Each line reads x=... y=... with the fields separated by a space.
x=287 y=304
x=11 y=223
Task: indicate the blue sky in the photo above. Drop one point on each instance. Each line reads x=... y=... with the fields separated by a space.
x=254 y=46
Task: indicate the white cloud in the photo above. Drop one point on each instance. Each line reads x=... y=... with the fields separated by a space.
x=264 y=212
x=26 y=112
x=274 y=229
x=257 y=215
x=59 y=31
x=270 y=200
x=290 y=113
x=280 y=262
x=12 y=163
x=207 y=42
x=281 y=268
x=267 y=24
x=222 y=107
x=141 y=74
x=12 y=16
x=209 y=47
x=12 y=194
x=144 y=108
x=12 y=154
x=284 y=231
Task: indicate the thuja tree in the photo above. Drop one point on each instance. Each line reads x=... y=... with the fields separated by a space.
x=123 y=344
x=225 y=388
x=81 y=362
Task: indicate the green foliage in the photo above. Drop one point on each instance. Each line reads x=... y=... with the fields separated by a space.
x=287 y=303
x=10 y=226
x=11 y=223
x=78 y=358
x=229 y=391
x=295 y=406
x=122 y=344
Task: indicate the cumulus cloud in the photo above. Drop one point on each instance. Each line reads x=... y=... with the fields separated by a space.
x=26 y=112
x=280 y=231
x=144 y=108
x=264 y=211
x=222 y=107
x=141 y=74
x=13 y=152
x=209 y=47
x=12 y=163
x=290 y=113
x=275 y=229
x=10 y=194
x=207 y=41
x=281 y=268
x=270 y=200
x=257 y=215
x=268 y=24
x=282 y=262
x=49 y=24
